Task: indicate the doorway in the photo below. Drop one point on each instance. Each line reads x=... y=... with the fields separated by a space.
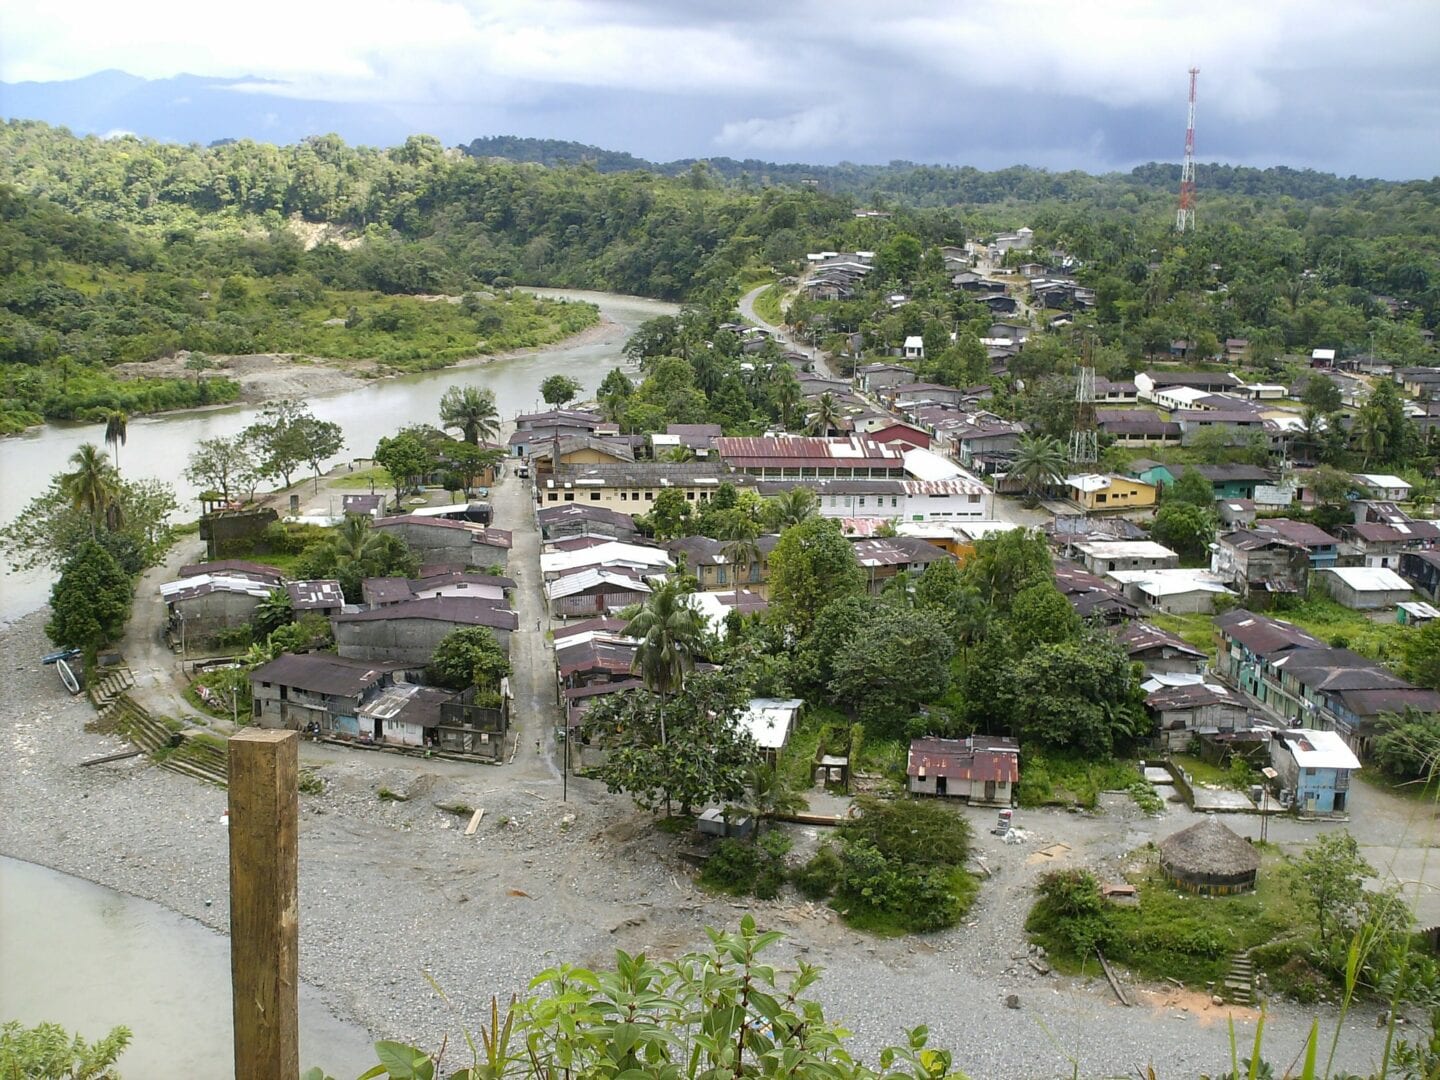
x=940 y=788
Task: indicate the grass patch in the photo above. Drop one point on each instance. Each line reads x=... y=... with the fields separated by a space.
x=1343 y=628
x=458 y=809
x=1196 y=630
x=676 y=824
x=767 y=305
x=961 y=884
x=1170 y=934
x=1201 y=771
x=386 y=795
x=362 y=479
x=1051 y=779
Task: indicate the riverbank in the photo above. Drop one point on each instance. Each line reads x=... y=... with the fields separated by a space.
x=390 y=890
x=266 y=377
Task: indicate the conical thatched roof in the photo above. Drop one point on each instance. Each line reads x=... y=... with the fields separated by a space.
x=1208 y=847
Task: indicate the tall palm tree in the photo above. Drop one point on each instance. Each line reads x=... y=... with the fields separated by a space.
x=1040 y=460
x=1370 y=433
x=791 y=508
x=115 y=431
x=670 y=631
x=826 y=415
x=93 y=486
x=472 y=410
x=786 y=393
x=741 y=549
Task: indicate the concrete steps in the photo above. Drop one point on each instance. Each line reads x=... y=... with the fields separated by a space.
x=192 y=753
x=113 y=682
x=1239 y=984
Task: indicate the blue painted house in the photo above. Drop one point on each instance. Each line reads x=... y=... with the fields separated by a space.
x=1315 y=766
x=1153 y=472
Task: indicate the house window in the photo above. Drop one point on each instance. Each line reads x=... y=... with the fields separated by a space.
x=720 y=575
x=594 y=496
x=1309 y=772
x=569 y=496
x=256 y=704
x=649 y=496
x=862 y=501
x=553 y=497
x=624 y=496
x=690 y=495
x=894 y=501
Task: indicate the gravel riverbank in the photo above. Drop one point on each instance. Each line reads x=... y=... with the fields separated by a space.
x=393 y=889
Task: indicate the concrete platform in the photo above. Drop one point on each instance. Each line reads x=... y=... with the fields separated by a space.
x=1222 y=801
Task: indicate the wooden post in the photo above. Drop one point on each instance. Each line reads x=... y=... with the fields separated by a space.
x=264 y=903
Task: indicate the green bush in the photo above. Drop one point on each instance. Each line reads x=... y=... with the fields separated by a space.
x=819 y=877
x=741 y=868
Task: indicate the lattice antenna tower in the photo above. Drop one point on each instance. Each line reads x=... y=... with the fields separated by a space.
x=1084 y=439
x=1185 y=215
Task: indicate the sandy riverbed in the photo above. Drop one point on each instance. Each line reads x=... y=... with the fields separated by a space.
x=391 y=889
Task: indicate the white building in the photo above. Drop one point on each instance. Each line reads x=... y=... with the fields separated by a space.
x=1102 y=556
x=1179 y=592
x=770 y=721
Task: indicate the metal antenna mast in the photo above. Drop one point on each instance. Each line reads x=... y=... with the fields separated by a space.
x=1185 y=215
x=1084 y=439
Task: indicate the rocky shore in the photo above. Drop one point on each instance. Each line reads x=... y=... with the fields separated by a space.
x=393 y=889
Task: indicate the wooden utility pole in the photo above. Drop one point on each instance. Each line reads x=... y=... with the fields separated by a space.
x=264 y=902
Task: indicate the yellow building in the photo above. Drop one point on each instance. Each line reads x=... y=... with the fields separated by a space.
x=632 y=489
x=1096 y=493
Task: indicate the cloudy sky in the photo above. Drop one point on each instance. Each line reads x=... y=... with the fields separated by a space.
x=1095 y=84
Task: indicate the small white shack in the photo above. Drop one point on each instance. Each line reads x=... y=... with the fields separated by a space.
x=770 y=722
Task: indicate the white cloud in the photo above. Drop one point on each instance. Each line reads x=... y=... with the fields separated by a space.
x=822 y=126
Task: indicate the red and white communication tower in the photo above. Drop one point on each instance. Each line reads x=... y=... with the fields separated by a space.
x=1185 y=215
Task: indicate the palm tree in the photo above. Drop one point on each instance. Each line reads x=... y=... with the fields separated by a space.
x=1370 y=433
x=472 y=410
x=115 y=431
x=740 y=549
x=786 y=392
x=790 y=508
x=1040 y=460
x=355 y=542
x=93 y=486
x=826 y=415
x=670 y=632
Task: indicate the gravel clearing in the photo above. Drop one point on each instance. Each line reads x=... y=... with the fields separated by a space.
x=392 y=889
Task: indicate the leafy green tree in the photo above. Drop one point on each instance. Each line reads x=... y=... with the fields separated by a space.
x=1040 y=461
x=671 y=635
x=319 y=441
x=221 y=465
x=558 y=389
x=466 y=657
x=407 y=458
x=1185 y=528
x=1079 y=694
x=741 y=549
x=470 y=462
x=1192 y=488
x=811 y=565
x=471 y=409
x=1322 y=395
x=1040 y=615
x=52 y=527
x=1408 y=746
x=899 y=257
x=690 y=747
x=91 y=601
x=273 y=612
x=1330 y=882
x=670 y=516
x=49 y=1052
x=1005 y=563
x=786 y=394
x=278 y=439
x=354 y=552
x=898 y=659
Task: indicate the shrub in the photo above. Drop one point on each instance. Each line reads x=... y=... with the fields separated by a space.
x=819 y=877
x=742 y=868
x=915 y=832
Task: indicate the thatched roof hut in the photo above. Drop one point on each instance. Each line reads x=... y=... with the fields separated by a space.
x=1209 y=858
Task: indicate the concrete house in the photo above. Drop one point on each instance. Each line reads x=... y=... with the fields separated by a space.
x=1102 y=556
x=1383 y=486
x=594 y=591
x=1382 y=544
x=1137 y=427
x=1177 y=592
x=1314 y=767
x=914 y=348
x=409 y=631
x=708 y=560
x=1091 y=596
x=1098 y=493
x=439 y=540
x=1183 y=713
x=876 y=377
x=1323 y=548
x=319 y=597
x=980 y=769
x=580 y=519
x=201 y=606
x=1365 y=588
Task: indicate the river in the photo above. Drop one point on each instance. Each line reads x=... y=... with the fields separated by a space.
x=158 y=446
x=89 y=958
